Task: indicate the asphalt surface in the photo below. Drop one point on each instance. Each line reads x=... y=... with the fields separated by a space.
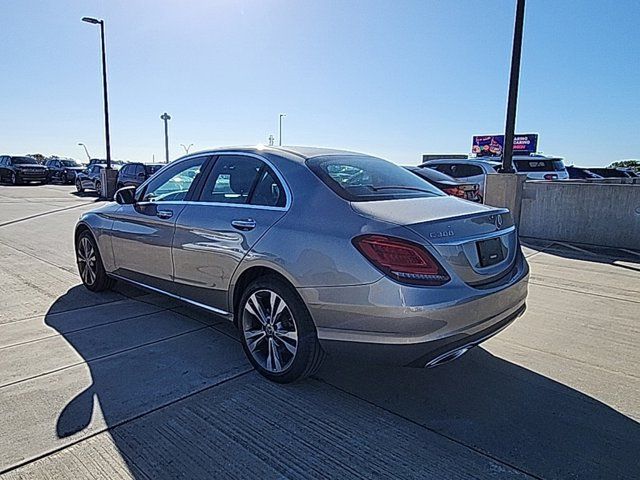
x=128 y=384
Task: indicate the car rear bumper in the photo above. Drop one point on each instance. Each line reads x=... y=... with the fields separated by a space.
x=387 y=323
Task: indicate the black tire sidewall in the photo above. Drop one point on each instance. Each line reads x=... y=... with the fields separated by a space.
x=103 y=282
x=307 y=334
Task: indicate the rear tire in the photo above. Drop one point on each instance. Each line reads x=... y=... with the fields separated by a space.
x=98 y=186
x=13 y=179
x=79 y=186
x=90 y=266
x=277 y=332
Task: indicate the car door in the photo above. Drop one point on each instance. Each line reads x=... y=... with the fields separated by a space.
x=3 y=169
x=87 y=179
x=142 y=233
x=139 y=175
x=242 y=197
x=56 y=170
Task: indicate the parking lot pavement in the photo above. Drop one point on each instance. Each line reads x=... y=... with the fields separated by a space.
x=128 y=384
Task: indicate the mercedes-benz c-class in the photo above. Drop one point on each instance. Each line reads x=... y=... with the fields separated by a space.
x=313 y=252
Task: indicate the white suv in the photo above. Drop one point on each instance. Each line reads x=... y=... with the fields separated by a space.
x=475 y=169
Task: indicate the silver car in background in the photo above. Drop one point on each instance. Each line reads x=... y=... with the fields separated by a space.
x=313 y=252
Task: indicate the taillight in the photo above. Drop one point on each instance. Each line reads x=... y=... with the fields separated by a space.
x=550 y=176
x=402 y=260
x=455 y=191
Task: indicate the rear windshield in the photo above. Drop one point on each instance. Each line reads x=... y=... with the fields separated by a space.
x=365 y=179
x=24 y=160
x=151 y=169
x=539 y=165
x=70 y=163
x=431 y=174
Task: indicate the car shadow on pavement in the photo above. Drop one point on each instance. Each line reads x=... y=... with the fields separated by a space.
x=506 y=411
x=494 y=407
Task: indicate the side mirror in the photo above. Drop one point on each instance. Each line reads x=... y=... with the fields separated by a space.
x=126 y=196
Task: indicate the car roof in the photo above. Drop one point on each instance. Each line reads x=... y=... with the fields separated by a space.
x=462 y=160
x=300 y=153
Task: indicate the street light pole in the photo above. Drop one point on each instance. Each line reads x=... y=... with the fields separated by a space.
x=280 y=128
x=108 y=176
x=85 y=150
x=186 y=149
x=509 y=130
x=166 y=117
x=104 y=87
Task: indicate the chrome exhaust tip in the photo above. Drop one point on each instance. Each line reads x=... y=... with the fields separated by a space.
x=447 y=357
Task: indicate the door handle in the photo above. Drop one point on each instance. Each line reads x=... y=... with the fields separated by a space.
x=244 y=225
x=164 y=214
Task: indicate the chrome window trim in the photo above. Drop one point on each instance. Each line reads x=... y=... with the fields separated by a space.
x=285 y=185
x=218 y=311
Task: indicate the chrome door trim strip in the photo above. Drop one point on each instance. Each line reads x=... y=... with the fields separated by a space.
x=217 y=311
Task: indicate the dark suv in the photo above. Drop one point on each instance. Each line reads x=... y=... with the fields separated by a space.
x=16 y=170
x=89 y=179
x=133 y=174
x=63 y=169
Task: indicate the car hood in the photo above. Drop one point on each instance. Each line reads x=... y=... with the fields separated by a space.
x=29 y=165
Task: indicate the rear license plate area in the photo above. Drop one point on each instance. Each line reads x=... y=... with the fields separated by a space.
x=490 y=252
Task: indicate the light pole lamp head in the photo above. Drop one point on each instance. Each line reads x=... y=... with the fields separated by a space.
x=165 y=116
x=95 y=21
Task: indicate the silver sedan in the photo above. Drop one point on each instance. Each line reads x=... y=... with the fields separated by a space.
x=313 y=252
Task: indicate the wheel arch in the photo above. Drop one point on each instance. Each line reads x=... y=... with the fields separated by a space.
x=245 y=277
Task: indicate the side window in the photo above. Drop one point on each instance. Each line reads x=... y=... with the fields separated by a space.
x=268 y=190
x=124 y=171
x=174 y=184
x=232 y=179
x=463 y=170
x=138 y=170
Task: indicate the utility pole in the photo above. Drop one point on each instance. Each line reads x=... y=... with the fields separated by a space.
x=509 y=129
x=280 y=128
x=166 y=117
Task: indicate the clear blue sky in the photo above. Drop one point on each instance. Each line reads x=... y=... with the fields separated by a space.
x=392 y=78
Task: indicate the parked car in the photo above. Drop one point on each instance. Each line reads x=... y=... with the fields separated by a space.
x=134 y=174
x=313 y=251
x=610 y=172
x=449 y=185
x=90 y=178
x=581 y=173
x=474 y=170
x=63 y=169
x=102 y=161
x=470 y=170
x=16 y=170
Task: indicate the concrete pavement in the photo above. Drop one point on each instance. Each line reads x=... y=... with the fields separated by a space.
x=128 y=384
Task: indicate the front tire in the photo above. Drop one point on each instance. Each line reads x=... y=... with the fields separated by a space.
x=79 y=186
x=277 y=332
x=90 y=266
x=98 y=187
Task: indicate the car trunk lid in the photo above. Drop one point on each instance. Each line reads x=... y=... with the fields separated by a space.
x=477 y=242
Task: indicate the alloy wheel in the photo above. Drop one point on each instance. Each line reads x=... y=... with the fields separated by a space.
x=87 y=261
x=270 y=331
x=13 y=179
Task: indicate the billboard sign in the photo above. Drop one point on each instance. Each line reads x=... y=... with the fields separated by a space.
x=493 y=145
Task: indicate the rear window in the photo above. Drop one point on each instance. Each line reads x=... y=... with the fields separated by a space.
x=539 y=165
x=151 y=169
x=365 y=179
